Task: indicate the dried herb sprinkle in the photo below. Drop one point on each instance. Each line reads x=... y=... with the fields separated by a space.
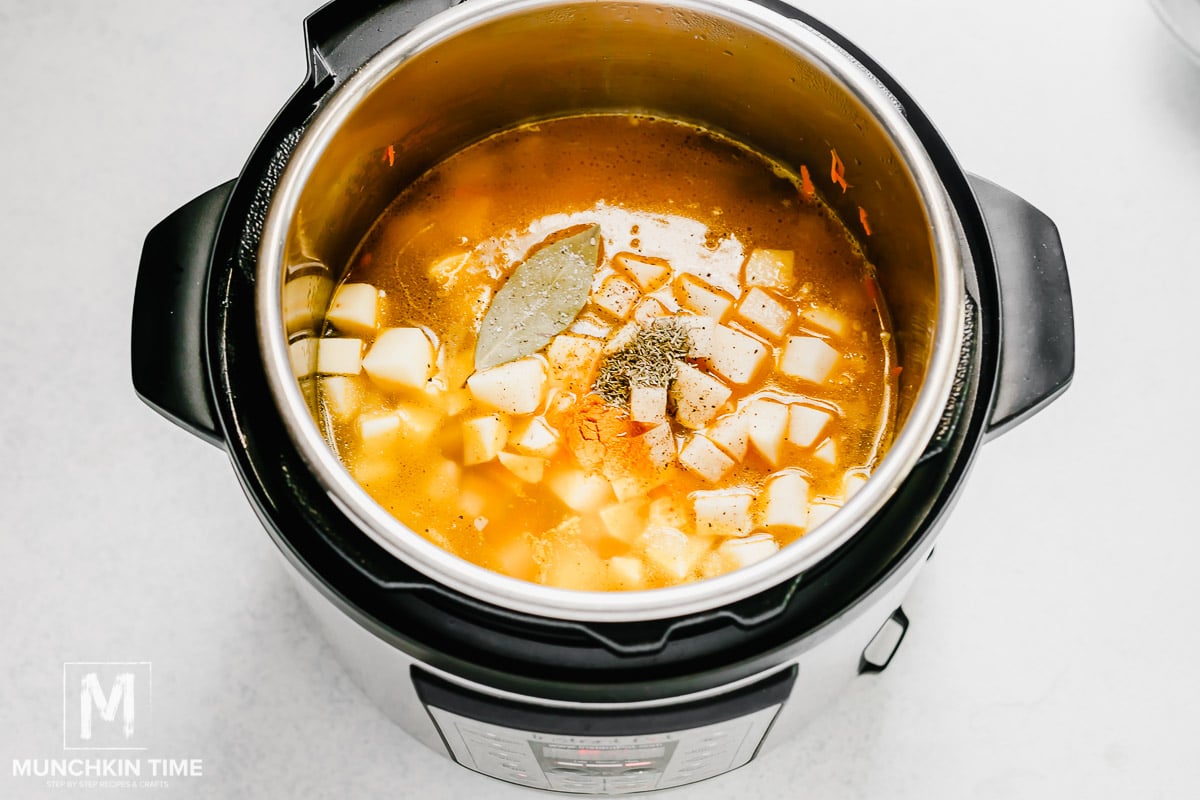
x=649 y=359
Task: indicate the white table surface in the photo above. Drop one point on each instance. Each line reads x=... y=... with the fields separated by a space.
x=1055 y=637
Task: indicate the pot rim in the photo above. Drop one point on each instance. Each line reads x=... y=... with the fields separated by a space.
x=595 y=606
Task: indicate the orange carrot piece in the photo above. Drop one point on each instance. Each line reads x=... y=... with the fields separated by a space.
x=837 y=171
x=391 y=155
x=862 y=217
x=806 y=185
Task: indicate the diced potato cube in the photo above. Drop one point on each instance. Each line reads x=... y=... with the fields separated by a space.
x=304 y=297
x=456 y=402
x=573 y=360
x=696 y=295
x=517 y=387
x=631 y=485
x=628 y=469
x=673 y=551
x=528 y=468
x=853 y=483
x=533 y=437
x=483 y=438
x=442 y=480
x=515 y=557
x=400 y=358
x=660 y=445
x=302 y=354
x=808 y=358
x=764 y=313
x=766 y=426
x=647 y=310
x=378 y=430
x=702 y=457
x=723 y=512
x=820 y=510
x=621 y=338
x=582 y=570
x=806 y=424
x=786 y=501
x=354 y=309
x=418 y=424
x=625 y=520
x=730 y=433
x=666 y=548
x=590 y=323
x=580 y=491
x=751 y=550
x=668 y=511
x=697 y=396
x=648 y=273
x=568 y=562
x=373 y=469
x=648 y=403
x=471 y=501
x=699 y=334
x=826 y=319
x=716 y=563
x=827 y=452
x=405 y=424
x=341 y=395
x=627 y=572
x=774 y=269
x=735 y=356
x=339 y=356
x=616 y=296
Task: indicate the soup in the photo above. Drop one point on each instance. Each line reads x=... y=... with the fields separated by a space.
x=608 y=352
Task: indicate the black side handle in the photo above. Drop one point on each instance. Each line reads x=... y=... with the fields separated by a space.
x=167 y=349
x=342 y=35
x=882 y=648
x=1037 y=342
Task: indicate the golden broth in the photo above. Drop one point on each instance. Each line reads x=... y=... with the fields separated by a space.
x=585 y=506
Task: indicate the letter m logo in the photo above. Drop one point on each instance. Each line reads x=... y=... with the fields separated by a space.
x=106 y=706
x=92 y=696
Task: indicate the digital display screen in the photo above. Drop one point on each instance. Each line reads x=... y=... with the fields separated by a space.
x=650 y=751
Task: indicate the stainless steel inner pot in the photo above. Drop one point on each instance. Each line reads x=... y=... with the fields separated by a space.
x=734 y=67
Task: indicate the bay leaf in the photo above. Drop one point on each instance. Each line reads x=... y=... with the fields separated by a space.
x=542 y=297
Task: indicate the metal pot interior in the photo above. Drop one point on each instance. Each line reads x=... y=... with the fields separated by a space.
x=769 y=82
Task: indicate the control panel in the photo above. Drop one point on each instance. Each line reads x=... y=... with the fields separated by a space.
x=604 y=751
x=603 y=764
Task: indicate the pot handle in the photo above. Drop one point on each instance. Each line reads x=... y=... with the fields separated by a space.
x=1037 y=338
x=167 y=343
x=343 y=34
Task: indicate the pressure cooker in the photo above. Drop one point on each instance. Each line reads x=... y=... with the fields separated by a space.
x=573 y=691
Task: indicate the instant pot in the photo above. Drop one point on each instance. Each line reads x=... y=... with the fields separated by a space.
x=551 y=688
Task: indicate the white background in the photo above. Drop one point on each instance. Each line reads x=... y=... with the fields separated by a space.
x=1055 y=637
